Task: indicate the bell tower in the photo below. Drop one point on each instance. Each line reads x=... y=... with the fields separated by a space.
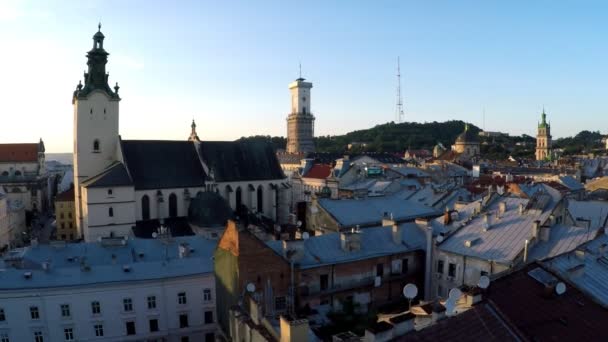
x=300 y=123
x=95 y=120
x=543 y=139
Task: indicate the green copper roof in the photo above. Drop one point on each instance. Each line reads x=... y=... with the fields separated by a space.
x=543 y=123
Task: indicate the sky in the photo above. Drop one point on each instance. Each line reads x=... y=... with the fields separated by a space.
x=227 y=64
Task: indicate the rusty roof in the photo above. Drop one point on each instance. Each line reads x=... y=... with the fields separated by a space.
x=18 y=152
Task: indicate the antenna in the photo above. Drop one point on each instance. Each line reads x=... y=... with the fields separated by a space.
x=305 y=236
x=454 y=294
x=300 y=65
x=410 y=291
x=560 y=288
x=399 y=106
x=483 y=282
x=251 y=287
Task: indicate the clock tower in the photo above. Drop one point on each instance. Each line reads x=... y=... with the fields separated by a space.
x=300 y=122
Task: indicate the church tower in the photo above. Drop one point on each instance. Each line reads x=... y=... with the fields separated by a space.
x=543 y=139
x=300 y=123
x=95 y=121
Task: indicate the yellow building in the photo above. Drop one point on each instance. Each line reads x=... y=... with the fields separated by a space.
x=65 y=216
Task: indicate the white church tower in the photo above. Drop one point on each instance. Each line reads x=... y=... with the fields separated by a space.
x=95 y=121
x=300 y=123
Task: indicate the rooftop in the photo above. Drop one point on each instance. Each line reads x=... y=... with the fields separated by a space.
x=19 y=152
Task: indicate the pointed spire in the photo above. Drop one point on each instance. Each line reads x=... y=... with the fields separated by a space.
x=193 y=136
x=99 y=27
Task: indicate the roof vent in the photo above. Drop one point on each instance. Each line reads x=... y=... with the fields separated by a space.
x=470 y=243
x=27 y=275
x=126 y=268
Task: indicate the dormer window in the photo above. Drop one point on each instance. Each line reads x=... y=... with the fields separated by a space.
x=96 y=145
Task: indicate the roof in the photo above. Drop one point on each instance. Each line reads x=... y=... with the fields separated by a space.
x=467 y=137
x=148 y=259
x=115 y=175
x=240 y=160
x=326 y=249
x=571 y=183
x=562 y=239
x=290 y=158
x=19 y=152
x=480 y=323
x=410 y=171
x=540 y=314
x=161 y=164
x=209 y=209
x=594 y=211
x=504 y=240
x=598 y=183
x=371 y=210
x=177 y=226
x=66 y=196
x=318 y=171
x=586 y=268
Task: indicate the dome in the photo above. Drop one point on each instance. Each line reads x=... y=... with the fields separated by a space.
x=467 y=137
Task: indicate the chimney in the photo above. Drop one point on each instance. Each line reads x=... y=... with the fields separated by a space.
x=535 y=228
x=294 y=330
x=184 y=250
x=34 y=242
x=447 y=218
x=473 y=296
x=502 y=208
x=526 y=243
x=350 y=241
x=487 y=222
x=521 y=208
x=545 y=233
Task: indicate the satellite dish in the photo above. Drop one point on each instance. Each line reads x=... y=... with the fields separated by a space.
x=305 y=235
x=454 y=294
x=410 y=291
x=299 y=223
x=483 y=282
x=450 y=307
x=440 y=238
x=251 y=287
x=154 y=235
x=560 y=288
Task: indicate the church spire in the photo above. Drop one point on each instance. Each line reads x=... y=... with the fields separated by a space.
x=193 y=136
x=96 y=77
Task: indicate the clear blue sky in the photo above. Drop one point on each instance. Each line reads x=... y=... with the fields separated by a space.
x=227 y=64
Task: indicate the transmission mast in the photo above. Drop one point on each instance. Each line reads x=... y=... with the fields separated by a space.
x=399 y=107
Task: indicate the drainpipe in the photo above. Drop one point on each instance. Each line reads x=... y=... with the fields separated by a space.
x=428 y=263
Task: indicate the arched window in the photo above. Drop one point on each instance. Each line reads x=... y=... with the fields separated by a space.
x=17 y=173
x=111 y=212
x=172 y=205
x=5 y=173
x=239 y=198
x=260 y=199
x=145 y=207
x=96 y=145
x=304 y=110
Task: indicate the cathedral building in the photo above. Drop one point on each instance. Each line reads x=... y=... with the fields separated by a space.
x=124 y=185
x=543 y=139
x=300 y=123
x=467 y=143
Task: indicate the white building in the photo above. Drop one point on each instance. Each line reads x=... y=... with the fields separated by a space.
x=113 y=290
x=120 y=183
x=12 y=222
x=300 y=122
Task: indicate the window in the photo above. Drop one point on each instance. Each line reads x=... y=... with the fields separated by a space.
x=209 y=337
x=280 y=303
x=324 y=282
x=95 y=308
x=130 y=325
x=38 y=336
x=70 y=225
x=34 y=313
x=181 y=298
x=151 y=302
x=62 y=225
x=61 y=215
x=65 y=310
x=208 y=317
x=379 y=270
x=2 y=315
x=111 y=212
x=452 y=270
x=4 y=337
x=69 y=215
x=260 y=195
x=153 y=325
x=109 y=192
x=239 y=198
x=98 y=330
x=183 y=321
x=69 y=334
x=95 y=145
x=440 y=266
x=145 y=207
x=207 y=295
x=127 y=304
x=405 y=266
x=172 y=205
x=483 y=273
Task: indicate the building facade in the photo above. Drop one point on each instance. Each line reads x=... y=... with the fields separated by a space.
x=65 y=216
x=113 y=290
x=467 y=143
x=543 y=139
x=300 y=123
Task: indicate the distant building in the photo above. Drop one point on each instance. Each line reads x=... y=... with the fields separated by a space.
x=114 y=290
x=300 y=122
x=488 y=134
x=23 y=174
x=12 y=222
x=65 y=216
x=543 y=139
x=467 y=143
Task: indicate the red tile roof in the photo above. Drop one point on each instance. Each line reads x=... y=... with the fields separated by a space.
x=18 y=152
x=319 y=171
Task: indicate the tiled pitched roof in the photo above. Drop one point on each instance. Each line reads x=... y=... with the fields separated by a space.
x=114 y=175
x=161 y=164
x=18 y=152
x=318 y=171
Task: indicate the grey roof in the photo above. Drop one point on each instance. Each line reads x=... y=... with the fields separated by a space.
x=370 y=211
x=571 y=183
x=562 y=239
x=240 y=160
x=114 y=175
x=209 y=209
x=410 y=171
x=588 y=271
x=161 y=164
x=159 y=260
x=375 y=242
x=504 y=240
x=595 y=211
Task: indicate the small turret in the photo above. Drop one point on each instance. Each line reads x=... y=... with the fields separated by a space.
x=193 y=136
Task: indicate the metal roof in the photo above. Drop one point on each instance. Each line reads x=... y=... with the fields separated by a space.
x=115 y=175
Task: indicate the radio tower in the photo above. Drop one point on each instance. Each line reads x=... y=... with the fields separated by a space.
x=399 y=108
